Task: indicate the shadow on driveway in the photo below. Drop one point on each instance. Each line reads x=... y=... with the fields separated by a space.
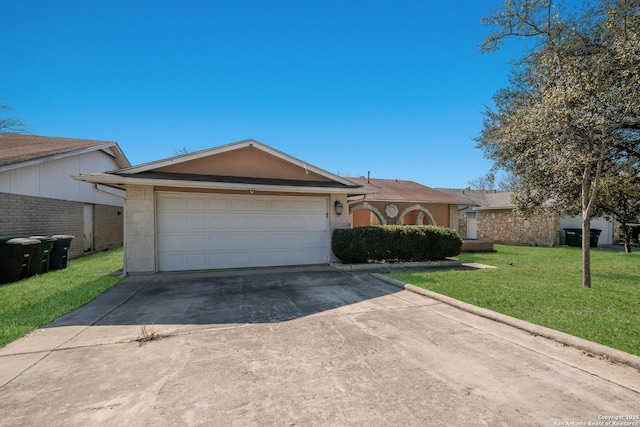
x=253 y=296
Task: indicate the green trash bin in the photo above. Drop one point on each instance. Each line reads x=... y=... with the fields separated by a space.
x=42 y=256
x=573 y=237
x=60 y=251
x=15 y=258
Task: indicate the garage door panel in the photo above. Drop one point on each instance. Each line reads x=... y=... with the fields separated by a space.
x=240 y=205
x=195 y=260
x=172 y=261
x=316 y=239
x=259 y=205
x=171 y=203
x=218 y=223
x=240 y=241
x=218 y=241
x=196 y=222
x=197 y=242
x=172 y=242
x=171 y=221
x=240 y=222
x=197 y=231
x=279 y=222
x=260 y=222
x=279 y=205
x=196 y=204
x=316 y=206
x=218 y=205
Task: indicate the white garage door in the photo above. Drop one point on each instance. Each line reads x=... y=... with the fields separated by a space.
x=205 y=231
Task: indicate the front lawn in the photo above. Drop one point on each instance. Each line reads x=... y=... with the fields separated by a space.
x=543 y=286
x=32 y=303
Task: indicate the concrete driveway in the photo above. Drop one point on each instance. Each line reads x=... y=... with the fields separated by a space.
x=297 y=347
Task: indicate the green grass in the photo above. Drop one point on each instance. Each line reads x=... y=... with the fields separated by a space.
x=544 y=286
x=32 y=303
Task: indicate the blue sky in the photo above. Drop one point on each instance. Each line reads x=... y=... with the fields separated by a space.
x=395 y=88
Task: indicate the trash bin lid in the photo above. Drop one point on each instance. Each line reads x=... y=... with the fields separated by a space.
x=63 y=236
x=44 y=238
x=22 y=241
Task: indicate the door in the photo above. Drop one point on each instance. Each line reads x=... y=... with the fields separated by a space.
x=472 y=225
x=88 y=228
x=213 y=231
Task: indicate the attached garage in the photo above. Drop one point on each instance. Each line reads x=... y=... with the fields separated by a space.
x=211 y=231
x=240 y=205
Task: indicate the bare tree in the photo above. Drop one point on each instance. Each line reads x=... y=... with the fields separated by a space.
x=9 y=123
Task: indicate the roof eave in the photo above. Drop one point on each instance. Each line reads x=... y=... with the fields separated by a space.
x=119 y=182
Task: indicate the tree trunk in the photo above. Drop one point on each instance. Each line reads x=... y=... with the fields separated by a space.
x=626 y=237
x=586 y=250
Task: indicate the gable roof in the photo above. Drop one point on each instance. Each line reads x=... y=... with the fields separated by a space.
x=395 y=190
x=214 y=168
x=20 y=150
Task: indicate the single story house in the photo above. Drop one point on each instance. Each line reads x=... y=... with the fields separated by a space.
x=393 y=201
x=492 y=215
x=38 y=196
x=243 y=204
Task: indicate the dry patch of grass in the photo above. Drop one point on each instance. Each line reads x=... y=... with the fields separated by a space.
x=149 y=334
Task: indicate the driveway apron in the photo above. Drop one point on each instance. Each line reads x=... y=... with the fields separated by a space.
x=298 y=346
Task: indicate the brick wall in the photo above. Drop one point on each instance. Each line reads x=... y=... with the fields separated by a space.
x=107 y=227
x=507 y=226
x=25 y=216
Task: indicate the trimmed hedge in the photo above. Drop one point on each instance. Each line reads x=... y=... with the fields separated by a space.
x=395 y=242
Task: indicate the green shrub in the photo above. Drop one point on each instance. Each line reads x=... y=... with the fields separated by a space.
x=395 y=242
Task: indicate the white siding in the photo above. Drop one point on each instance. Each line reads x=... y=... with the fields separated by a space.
x=53 y=179
x=606 y=236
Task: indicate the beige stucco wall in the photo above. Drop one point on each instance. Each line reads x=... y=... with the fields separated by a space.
x=140 y=229
x=337 y=221
x=246 y=162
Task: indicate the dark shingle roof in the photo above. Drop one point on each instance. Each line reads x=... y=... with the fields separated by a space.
x=17 y=148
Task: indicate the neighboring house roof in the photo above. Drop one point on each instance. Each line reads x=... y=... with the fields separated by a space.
x=240 y=165
x=17 y=150
x=395 y=190
x=483 y=199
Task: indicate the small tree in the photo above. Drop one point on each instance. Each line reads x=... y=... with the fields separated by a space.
x=573 y=109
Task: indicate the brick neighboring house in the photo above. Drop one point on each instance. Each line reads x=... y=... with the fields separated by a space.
x=492 y=215
x=38 y=196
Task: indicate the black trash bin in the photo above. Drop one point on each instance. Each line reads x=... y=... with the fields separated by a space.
x=42 y=256
x=15 y=258
x=593 y=237
x=573 y=237
x=60 y=251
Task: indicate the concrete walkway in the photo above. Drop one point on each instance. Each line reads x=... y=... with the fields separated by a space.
x=297 y=347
